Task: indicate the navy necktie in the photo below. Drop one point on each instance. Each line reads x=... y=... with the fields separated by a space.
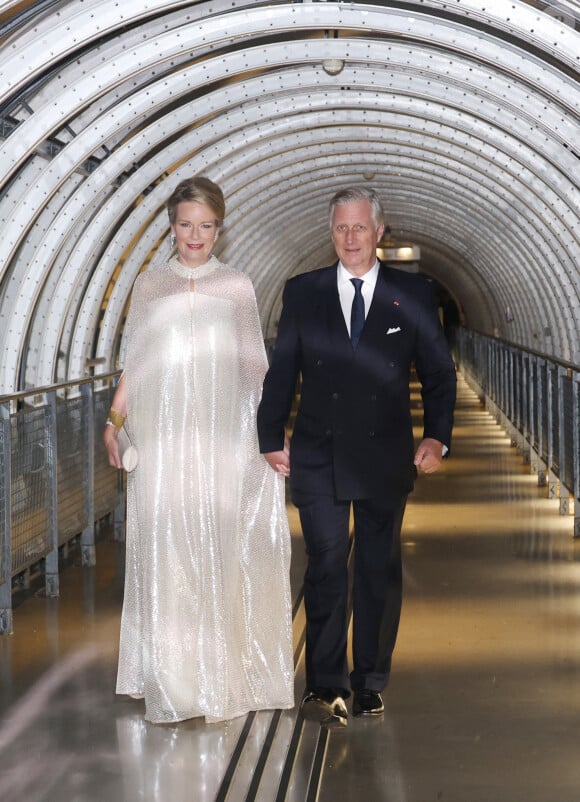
x=357 y=312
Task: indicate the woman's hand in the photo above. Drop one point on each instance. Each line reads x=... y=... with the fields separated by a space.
x=112 y=446
x=119 y=405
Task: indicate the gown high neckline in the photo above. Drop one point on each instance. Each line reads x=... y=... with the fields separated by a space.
x=193 y=272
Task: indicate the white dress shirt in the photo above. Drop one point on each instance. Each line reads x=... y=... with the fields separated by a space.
x=346 y=289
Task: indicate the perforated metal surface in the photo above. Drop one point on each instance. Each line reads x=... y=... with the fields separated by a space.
x=464 y=115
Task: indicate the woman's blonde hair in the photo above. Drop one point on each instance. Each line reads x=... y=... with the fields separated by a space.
x=200 y=189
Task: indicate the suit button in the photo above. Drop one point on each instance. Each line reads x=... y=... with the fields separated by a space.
x=373 y=397
x=319 y=362
x=371 y=434
x=391 y=364
x=335 y=396
x=328 y=432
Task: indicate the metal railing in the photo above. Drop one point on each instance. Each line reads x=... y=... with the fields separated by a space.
x=536 y=399
x=56 y=483
x=55 y=480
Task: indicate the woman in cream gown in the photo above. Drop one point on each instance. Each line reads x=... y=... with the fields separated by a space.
x=206 y=622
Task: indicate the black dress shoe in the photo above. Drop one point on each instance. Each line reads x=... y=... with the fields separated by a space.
x=367 y=703
x=326 y=706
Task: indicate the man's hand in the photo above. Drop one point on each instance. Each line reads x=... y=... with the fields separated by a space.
x=280 y=460
x=429 y=455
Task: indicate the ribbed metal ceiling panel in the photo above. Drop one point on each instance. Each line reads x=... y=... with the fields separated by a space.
x=464 y=115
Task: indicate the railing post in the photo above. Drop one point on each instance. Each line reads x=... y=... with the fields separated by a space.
x=576 y=447
x=551 y=419
x=88 y=548
x=533 y=394
x=6 y=523
x=524 y=407
x=510 y=398
x=51 y=560
x=563 y=493
x=542 y=406
x=120 y=512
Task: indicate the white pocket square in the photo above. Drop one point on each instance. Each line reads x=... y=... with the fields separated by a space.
x=394 y=331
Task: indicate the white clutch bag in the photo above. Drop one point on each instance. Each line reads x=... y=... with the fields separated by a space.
x=129 y=455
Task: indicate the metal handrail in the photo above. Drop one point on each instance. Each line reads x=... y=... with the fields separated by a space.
x=540 y=354
x=536 y=398
x=55 y=480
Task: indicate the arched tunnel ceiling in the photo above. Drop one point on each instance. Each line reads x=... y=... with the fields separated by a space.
x=464 y=115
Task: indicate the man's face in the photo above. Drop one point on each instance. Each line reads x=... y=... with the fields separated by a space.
x=355 y=236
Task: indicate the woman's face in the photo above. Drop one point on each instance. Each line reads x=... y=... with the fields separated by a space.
x=195 y=231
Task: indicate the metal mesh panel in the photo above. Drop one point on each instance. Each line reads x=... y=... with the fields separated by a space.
x=555 y=422
x=540 y=397
x=534 y=399
x=479 y=362
x=498 y=357
x=576 y=439
x=72 y=450
x=3 y=505
x=567 y=434
x=106 y=480
x=526 y=420
x=493 y=367
x=520 y=392
x=470 y=354
x=510 y=386
x=544 y=417
x=29 y=489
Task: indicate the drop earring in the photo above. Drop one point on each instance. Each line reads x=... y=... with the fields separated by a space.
x=172 y=241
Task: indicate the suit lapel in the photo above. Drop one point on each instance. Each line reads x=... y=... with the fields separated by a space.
x=384 y=314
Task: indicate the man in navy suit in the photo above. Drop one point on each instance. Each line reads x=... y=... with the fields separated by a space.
x=352 y=345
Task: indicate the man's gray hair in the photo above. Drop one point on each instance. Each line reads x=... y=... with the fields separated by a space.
x=352 y=194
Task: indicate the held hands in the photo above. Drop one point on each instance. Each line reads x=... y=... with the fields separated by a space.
x=429 y=455
x=279 y=461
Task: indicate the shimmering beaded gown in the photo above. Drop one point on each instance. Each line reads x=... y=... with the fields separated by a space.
x=206 y=623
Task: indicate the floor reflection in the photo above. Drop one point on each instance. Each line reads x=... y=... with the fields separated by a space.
x=483 y=704
x=160 y=763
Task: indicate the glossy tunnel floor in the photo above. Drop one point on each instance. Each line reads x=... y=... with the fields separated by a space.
x=483 y=705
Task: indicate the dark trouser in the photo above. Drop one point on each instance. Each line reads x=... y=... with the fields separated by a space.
x=377 y=589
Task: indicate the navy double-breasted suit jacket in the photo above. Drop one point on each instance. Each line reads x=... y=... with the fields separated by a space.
x=353 y=434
